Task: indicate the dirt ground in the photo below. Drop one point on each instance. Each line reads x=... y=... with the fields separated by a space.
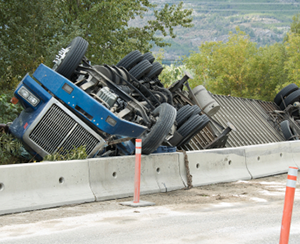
x=258 y=190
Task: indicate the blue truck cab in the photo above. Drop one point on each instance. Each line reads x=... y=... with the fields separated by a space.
x=58 y=115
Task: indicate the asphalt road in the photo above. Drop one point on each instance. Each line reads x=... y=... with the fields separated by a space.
x=238 y=212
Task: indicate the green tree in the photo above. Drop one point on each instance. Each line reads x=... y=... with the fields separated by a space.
x=224 y=67
x=105 y=25
x=239 y=68
x=269 y=74
x=28 y=32
x=33 y=31
x=8 y=111
x=172 y=73
x=295 y=25
x=292 y=64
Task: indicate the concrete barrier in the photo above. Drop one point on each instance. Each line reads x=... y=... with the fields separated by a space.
x=269 y=159
x=41 y=185
x=217 y=165
x=49 y=184
x=165 y=167
x=113 y=177
x=182 y=169
x=295 y=150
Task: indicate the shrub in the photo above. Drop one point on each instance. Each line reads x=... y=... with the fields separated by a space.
x=10 y=149
x=172 y=73
x=8 y=111
x=61 y=155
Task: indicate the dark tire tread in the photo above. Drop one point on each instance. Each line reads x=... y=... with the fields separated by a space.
x=130 y=60
x=141 y=69
x=290 y=99
x=196 y=110
x=155 y=71
x=148 y=56
x=78 y=48
x=191 y=127
x=285 y=92
x=166 y=117
x=183 y=114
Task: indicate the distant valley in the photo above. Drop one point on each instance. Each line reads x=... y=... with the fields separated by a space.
x=264 y=21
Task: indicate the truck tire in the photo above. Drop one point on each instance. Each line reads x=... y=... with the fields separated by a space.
x=183 y=114
x=191 y=127
x=148 y=56
x=287 y=131
x=285 y=92
x=141 y=69
x=290 y=99
x=155 y=71
x=130 y=60
x=71 y=58
x=196 y=110
x=166 y=117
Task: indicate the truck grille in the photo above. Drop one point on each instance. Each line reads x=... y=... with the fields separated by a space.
x=58 y=131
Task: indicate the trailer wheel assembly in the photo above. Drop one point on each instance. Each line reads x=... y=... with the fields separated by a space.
x=148 y=56
x=141 y=69
x=130 y=60
x=290 y=99
x=285 y=92
x=183 y=114
x=287 y=131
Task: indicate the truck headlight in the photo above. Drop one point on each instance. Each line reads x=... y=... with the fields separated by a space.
x=28 y=96
x=23 y=92
x=33 y=100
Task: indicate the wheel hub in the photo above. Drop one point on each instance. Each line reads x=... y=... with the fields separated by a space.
x=59 y=58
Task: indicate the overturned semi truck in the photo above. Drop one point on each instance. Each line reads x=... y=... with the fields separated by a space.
x=103 y=107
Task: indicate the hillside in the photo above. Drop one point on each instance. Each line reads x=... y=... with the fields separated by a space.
x=264 y=21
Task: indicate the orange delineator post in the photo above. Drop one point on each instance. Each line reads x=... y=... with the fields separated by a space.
x=288 y=205
x=137 y=175
x=137 y=179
